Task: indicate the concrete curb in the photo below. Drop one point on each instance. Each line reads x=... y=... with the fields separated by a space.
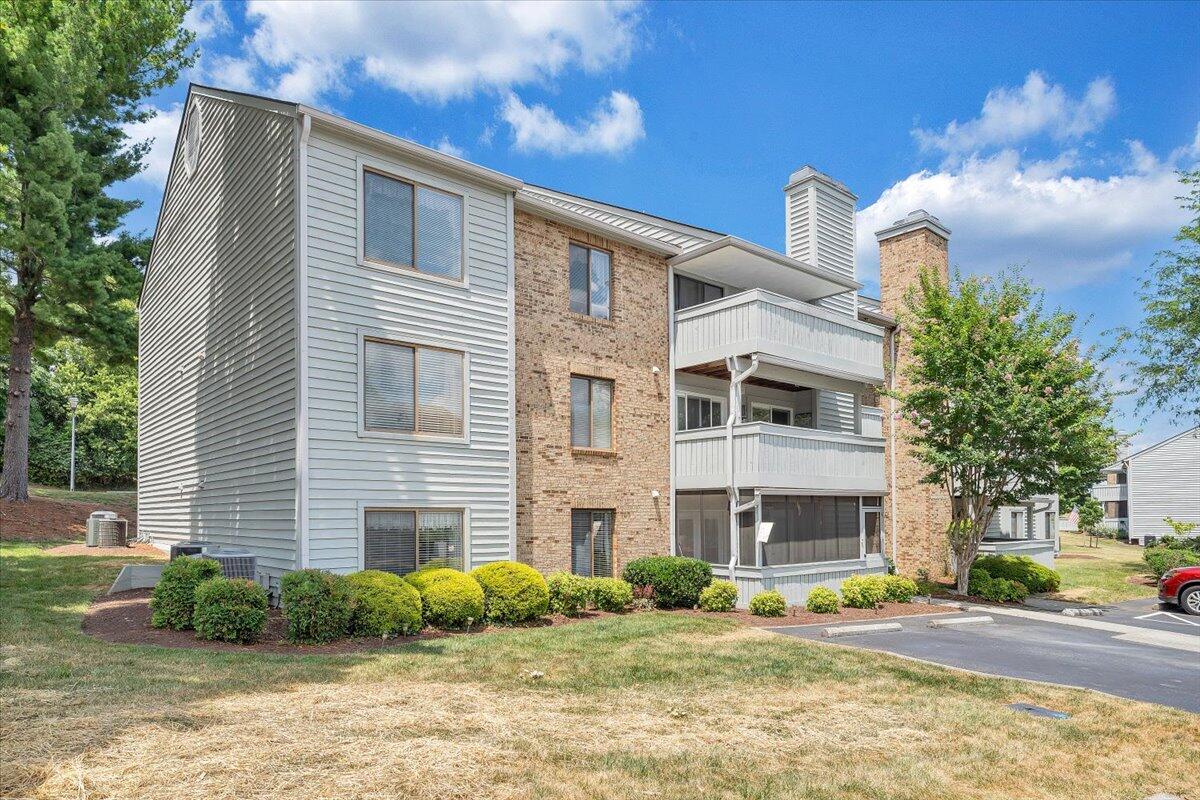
x=958 y=622
x=855 y=630
x=1131 y=633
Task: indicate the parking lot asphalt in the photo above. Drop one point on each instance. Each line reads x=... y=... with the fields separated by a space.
x=1149 y=614
x=1033 y=649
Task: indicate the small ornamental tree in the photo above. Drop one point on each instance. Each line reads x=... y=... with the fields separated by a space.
x=1090 y=514
x=1002 y=403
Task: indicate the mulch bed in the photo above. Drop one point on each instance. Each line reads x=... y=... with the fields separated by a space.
x=39 y=519
x=124 y=618
x=1142 y=580
x=138 y=550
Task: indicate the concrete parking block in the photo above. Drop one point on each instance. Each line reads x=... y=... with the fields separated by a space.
x=855 y=630
x=1083 y=612
x=959 y=622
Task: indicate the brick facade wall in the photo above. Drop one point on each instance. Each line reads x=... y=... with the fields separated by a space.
x=554 y=343
x=922 y=511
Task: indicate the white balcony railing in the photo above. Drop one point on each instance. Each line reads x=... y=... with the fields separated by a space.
x=1110 y=492
x=780 y=457
x=757 y=321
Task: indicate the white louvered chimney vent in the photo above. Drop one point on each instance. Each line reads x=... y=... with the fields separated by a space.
x=820 y=228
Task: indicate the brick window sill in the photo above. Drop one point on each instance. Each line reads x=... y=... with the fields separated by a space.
x=593 y=451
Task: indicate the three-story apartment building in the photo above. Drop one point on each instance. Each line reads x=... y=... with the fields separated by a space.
x=358 y=352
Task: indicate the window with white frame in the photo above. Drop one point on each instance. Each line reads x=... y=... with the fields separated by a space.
x=412 y=389
x=402 y=540
x=590 y=281
x=592 y=542
x=412 y=226
x=1017 y=524
x=696 y=411
x=872 y=525
x=591 y=413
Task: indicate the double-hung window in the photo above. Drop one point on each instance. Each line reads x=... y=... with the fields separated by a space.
x=412 y=226
x=591 y=413
x=694 y=412
x=591 y=542
x=403 y=540
x=411 y=389
x=591 y=281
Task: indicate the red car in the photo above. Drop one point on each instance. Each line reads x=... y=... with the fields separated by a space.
x=1181 y=586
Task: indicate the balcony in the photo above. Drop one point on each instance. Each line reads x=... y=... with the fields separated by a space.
x=1110 y=492
x=783 y=457
x=790 y=333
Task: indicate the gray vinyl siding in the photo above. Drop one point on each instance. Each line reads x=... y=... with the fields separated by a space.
x=1164 y=481
x=349 y=470
x=217 y=353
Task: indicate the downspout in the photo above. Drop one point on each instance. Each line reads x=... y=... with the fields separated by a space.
x=302 y=342
x=892 y=439
x=736 y=376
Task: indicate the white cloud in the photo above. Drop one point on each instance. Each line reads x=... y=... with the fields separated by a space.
x=444 y=145
x=1013 y=114
x=229 y=72
x=162 y=129
x=1061 y=230
x=435 y=51
x=207 y=19
x=615 y=125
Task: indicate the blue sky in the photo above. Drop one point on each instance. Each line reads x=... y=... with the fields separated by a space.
x=1044 y=135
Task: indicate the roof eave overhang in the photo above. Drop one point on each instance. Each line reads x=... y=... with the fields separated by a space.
x=542 y=208
x=821 y=282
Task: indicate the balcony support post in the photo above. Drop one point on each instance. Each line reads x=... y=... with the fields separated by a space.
x=737 y=374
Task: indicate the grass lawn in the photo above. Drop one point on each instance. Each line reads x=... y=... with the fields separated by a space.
x=121 y=498
x=648 y=706
x=1098 y=574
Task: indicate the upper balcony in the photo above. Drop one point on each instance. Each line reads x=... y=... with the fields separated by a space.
x=792 y=333
x=1110 y=492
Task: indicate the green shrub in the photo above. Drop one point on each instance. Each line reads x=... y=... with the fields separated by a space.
x=898 y=589
x=822 y=601
x=385 y=605
x=568 y=593
x=980 y=583
x=318 y=605
x=719 y=596
x=230 y=610
x=174 y=598
x=610 y=594
x=1161 y=558
x=768 y=604
x=453 y=600
x=427 y=575
x=677 y=581
x=864 y=591
x=1022 y=569
x=512 y=592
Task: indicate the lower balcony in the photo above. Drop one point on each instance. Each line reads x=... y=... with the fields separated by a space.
x=770 y=456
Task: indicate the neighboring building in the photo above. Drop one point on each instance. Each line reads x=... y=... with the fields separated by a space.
x=1141 y=490
x=360 y=352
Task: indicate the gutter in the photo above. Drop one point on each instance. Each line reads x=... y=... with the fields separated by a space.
x=892 y=440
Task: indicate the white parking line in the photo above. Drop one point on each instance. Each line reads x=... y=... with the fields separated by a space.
x=1174 y=618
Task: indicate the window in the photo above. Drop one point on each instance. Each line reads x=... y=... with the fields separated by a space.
x=691 y=292
x=409 y=389
x=412 y=226
x=591 y=413
x=693 y=412
x=808 y=529
x=702 y=528
x=1051 y=528
x=872 y=525
x=777 y=415
x=403 y=540
x=1017 y=525
x=591 y=281
x=591 y=542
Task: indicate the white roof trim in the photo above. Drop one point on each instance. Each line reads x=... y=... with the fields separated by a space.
x=543 y=208
x=1194 y=429
x=680 y=228
x=846 y=284
x=915 y=220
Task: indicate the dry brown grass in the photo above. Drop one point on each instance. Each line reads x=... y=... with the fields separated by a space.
x=651 y=706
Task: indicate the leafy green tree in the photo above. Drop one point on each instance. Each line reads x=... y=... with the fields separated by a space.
x=1167 y=343
x=1091 y=514
x=72 y=74
x=1002 y=404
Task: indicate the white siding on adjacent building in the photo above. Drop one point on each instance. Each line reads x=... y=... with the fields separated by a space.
x=348 y=470
x=1164 y=481
x=217 y=359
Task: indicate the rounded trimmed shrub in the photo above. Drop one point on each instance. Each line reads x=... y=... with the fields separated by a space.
x=863 y=591
x=230 y=610
x=770 y=603
x=427 y=575
x=173 y=601
x=384 y=604
x=823 y=601
x=899 y=589
x=676 y=580
x=999 y=590
x=568 y=593
x=1023 y=569
x=512 y=591
x=318 y=605
x=719 y=596
x=610 y=594
x=453 y=600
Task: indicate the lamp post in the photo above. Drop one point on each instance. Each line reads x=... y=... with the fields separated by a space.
x=73 y=402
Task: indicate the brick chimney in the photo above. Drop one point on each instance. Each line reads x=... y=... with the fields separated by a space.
x=917 y=515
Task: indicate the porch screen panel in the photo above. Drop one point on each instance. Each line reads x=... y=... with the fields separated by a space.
x=810 y=529
x=390 y=541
